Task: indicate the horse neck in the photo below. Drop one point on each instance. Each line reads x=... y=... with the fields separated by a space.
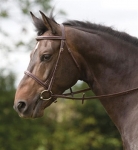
x=110 y=67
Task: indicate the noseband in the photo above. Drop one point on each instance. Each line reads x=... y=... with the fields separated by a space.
x=48 y=83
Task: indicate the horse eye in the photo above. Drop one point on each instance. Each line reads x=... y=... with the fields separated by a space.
x=46 y=57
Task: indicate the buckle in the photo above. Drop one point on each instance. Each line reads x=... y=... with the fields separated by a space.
x=49 y=93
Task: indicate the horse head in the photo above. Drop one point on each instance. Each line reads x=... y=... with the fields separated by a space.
x=51 y=70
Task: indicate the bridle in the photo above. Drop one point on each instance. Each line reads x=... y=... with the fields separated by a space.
x=49 y=82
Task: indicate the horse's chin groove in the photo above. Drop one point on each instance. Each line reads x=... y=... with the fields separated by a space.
x=37 y=115
x=38 y=110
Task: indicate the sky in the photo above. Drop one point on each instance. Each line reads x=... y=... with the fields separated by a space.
x=122 y=15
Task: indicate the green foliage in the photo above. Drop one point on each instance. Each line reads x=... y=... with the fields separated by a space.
x=96 y=127
x=4 y=13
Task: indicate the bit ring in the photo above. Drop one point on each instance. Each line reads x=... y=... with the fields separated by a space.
x=46 y=91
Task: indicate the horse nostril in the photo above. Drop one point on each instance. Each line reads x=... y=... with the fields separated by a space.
x=21 y=106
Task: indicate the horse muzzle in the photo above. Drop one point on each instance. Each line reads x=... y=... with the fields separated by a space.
x=33 y=110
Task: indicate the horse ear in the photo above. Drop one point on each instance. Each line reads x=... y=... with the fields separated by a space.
x=35 y=19
x=50 y=24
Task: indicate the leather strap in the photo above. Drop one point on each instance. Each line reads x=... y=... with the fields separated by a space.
x=36 y=79
x=94 y=97
x=50 y=38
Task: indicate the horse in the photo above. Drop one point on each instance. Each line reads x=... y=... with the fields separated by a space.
x=102 y=57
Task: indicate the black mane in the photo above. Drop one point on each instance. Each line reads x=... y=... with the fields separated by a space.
x=87 y=25
x=41 y=28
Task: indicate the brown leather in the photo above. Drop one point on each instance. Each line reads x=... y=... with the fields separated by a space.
x=50 y=38
x=36 y=79
x=94 y=97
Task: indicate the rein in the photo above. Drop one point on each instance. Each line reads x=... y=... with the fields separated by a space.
x=49 y=82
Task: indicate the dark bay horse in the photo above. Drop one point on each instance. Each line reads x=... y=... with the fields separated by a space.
x=107 y=60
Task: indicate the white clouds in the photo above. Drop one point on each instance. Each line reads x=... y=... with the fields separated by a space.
x=120 y=4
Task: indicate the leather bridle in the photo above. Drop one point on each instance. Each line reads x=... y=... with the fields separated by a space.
x=49 y=82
